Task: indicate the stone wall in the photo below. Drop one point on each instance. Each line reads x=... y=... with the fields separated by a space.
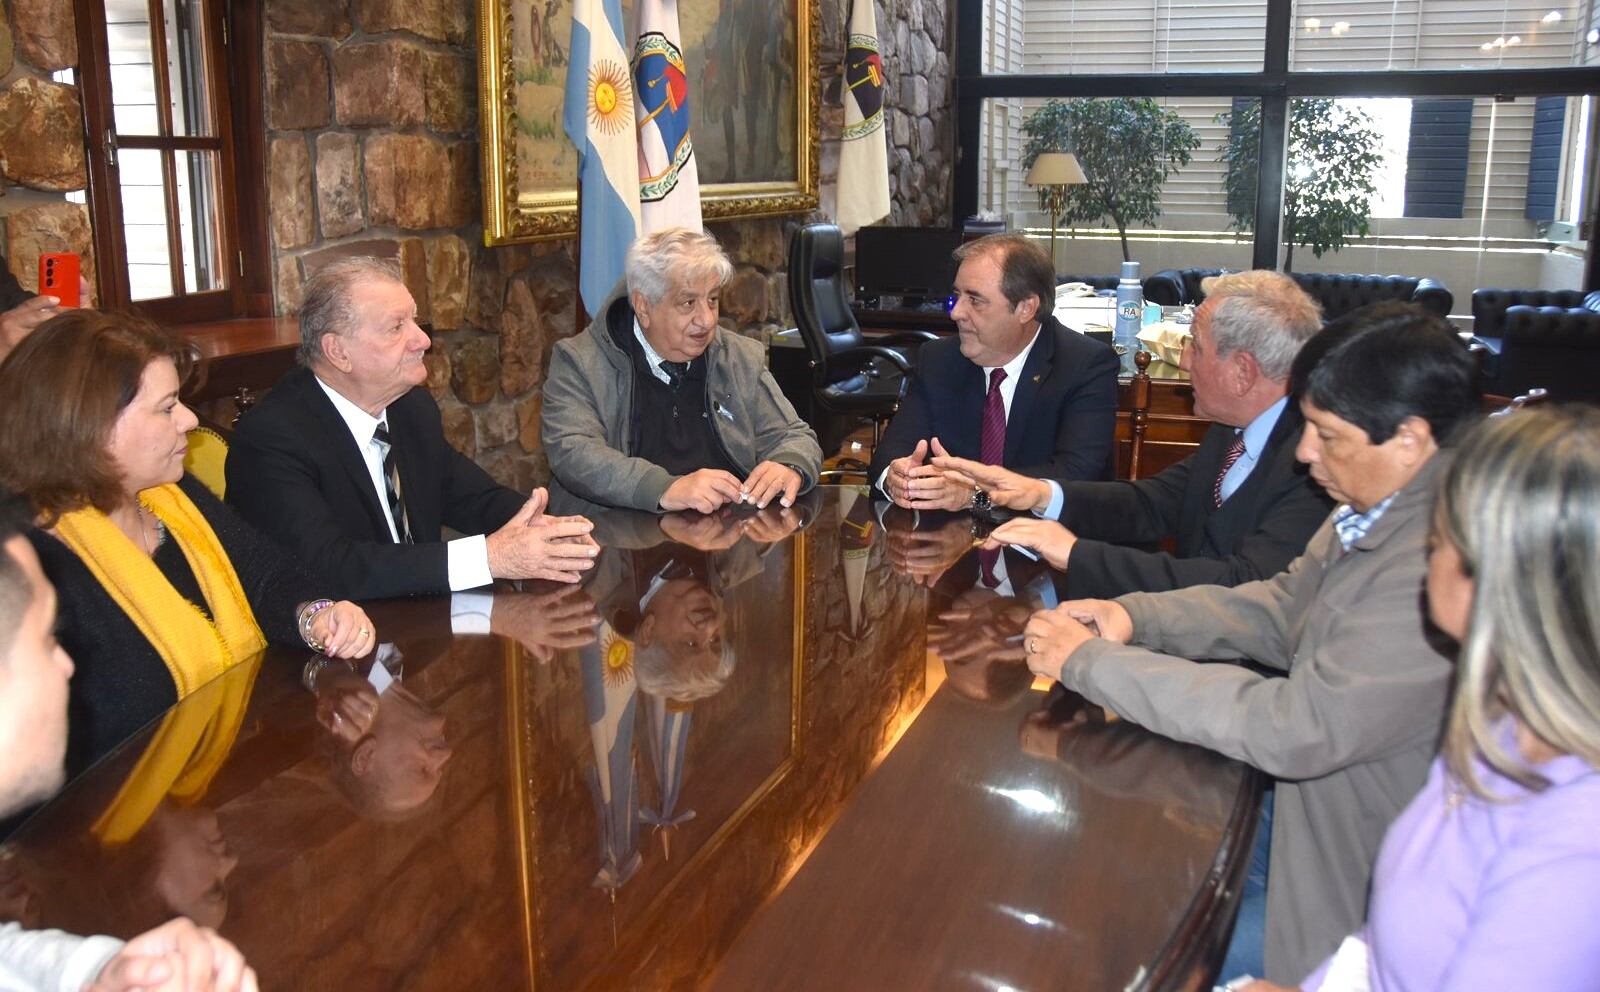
x=371 y=108
x=41 y=139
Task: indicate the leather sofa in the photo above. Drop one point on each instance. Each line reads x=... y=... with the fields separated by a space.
x=1489 y=306
x=1551 y=347
x=1338 y=293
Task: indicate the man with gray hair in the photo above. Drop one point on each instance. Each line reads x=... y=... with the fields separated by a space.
x=345 y=462
x=653 y=408
x=1239 y=509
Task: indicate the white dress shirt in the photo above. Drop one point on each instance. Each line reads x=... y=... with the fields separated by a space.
x=466 y=558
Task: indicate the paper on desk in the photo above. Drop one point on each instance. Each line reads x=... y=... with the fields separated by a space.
x=1165 y=340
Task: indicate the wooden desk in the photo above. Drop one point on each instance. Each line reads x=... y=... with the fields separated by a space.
x=249 y=353
x=832 y=814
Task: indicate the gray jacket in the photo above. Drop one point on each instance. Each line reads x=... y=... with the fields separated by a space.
x=1349 y=732
x=588 y=408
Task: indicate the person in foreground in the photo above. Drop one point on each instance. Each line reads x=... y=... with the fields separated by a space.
x=1239 y=509
x=162 y=587
x=1013 y=388
x=34 y=671
x=345 y=462
x=1348 y=717
x=1490 y=879
x=654 y=408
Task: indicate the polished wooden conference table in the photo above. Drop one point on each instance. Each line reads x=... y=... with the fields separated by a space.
x=750 y=759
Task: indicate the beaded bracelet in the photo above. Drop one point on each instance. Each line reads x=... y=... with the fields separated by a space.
x=308 y=616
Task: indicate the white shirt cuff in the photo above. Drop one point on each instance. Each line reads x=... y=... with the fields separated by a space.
x=469 y=612
x=1058 y=501
x=467 y=561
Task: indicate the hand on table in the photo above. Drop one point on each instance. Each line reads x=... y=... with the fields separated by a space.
x=1051 y=636
x=544 y=623
x=704 y=490
x=771 y=480
x=533 y=545
x=926 y=554
x=772 y=524
x=1050 y=540
x=344 y=631
x=1005 y=487
x=176 y=957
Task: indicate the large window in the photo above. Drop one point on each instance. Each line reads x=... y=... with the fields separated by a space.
x=1440 y=138
x=169 y=235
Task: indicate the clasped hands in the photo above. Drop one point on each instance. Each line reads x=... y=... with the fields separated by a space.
x=709 y=488
x=1051 y=636
x=536 y=545
x=1012 y=491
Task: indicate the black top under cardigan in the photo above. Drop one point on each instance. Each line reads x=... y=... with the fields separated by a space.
x=119 y=682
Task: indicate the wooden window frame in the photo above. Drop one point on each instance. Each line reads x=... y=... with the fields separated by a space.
x=233 y=53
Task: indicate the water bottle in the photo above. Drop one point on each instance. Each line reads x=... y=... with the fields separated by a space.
x=1130 y=312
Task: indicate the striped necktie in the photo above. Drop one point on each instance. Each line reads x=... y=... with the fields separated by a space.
x=391 y=483
x=992 y=451
x=1235 y=451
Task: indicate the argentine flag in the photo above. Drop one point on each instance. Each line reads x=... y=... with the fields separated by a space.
x=599 y=120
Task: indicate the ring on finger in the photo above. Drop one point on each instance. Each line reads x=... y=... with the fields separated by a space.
x=1033 y=645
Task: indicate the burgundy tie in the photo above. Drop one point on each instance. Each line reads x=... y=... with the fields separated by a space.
x=992 y=451
x=992 y=447
x=1234 y=451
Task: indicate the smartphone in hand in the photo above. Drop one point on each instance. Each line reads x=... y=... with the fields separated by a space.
x=58 y=277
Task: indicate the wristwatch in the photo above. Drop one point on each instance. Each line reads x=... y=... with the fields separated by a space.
x=980 y=501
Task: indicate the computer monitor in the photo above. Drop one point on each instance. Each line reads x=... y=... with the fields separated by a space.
x=913 y=263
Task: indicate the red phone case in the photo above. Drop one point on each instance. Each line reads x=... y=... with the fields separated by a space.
x=58 y=276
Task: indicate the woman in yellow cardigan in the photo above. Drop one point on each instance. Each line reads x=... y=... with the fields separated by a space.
x=162 y=588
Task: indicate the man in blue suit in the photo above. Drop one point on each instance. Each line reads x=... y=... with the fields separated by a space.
x=1015 y=388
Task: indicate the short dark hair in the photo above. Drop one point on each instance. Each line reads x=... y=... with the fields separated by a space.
x=61 y=391
x=1025 y=269
x=1389 y=361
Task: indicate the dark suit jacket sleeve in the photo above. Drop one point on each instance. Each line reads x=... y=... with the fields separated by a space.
x=913 y=422
x=1087 y=424
x=1098 y=570
x=1139 y=512
x=473 y=502
x=274 y=482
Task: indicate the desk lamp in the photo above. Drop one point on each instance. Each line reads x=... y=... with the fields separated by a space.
x=1053 y=172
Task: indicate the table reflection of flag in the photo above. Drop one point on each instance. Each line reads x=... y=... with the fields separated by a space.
x=609 y=691
x=669 y=177
x=857 y=526
x=669 y=742
x=598 y=117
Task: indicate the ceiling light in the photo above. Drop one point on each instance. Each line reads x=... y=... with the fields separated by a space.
x=1554 y=17
x=1487 y=46
x=1513 y=40
x=1313 y=23
x=1340 y=27
x=1593 y=37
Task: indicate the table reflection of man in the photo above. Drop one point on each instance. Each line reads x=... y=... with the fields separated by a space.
x=388 y=749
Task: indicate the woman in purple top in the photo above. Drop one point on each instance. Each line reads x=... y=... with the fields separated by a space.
x=1490 y=880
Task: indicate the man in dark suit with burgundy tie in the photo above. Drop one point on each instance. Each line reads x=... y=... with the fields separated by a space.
x=1239 y=509
x=1015 y=388
x=345 y=462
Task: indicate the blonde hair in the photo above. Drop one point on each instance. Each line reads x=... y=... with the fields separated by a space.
x=1519 y=506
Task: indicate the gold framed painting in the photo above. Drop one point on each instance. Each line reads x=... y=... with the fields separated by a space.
x=752 y=79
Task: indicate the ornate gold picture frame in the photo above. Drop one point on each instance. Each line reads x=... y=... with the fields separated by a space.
x=752 y=76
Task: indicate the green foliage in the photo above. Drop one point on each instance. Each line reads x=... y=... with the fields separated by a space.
x=1128 y=146
x=1329 y=179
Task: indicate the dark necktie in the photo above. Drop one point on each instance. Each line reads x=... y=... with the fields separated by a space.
x=675 y=371
x=992 y=443
x=391 y=483
x=992 y=451
x=1235 y=450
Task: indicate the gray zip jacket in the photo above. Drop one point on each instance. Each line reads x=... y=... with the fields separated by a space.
x=1348 y=729
x=588 y=412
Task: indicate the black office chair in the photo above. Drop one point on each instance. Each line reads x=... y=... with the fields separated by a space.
x=850 y=376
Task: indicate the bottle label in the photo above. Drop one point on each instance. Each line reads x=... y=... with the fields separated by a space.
x=1129 y=310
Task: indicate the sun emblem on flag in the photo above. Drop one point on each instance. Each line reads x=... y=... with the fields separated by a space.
x=610 y=97
x=617 y=653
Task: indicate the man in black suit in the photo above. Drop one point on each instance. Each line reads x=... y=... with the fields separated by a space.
x=346 y=463
x=1016 y=388
x=1239 y=509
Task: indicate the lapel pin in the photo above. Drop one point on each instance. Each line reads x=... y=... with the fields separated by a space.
x=1036 y=378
